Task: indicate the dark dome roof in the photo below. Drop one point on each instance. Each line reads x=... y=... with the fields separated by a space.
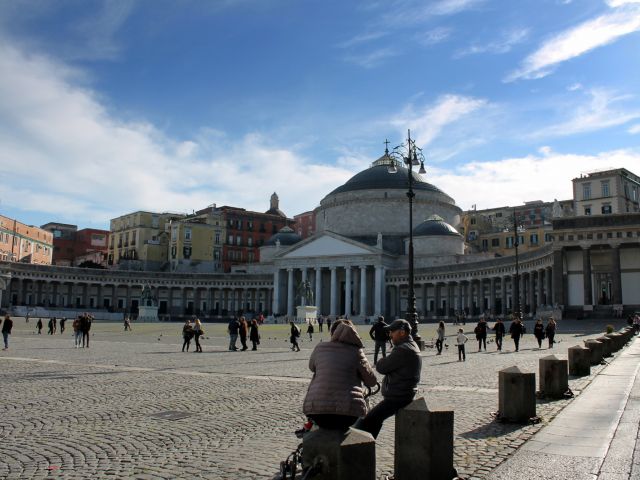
x=434 y=226
x=275 y=211
x=286 y=236
x=378 y=177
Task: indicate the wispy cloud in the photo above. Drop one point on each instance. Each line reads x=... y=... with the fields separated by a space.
x=427 y=122
x=619 y=3
x=634 y=129
x=602 y=110
x=577 y=41
x=361 y=39
x=62 y=152
x=371 y=59
x=433 y=36
x=405 y=12
x=488 y=184
x=500 y=46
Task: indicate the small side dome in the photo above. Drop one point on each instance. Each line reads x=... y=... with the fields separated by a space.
x=434 y=226
x=286 y=236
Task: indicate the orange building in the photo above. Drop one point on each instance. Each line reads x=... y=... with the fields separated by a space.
x=24 y=243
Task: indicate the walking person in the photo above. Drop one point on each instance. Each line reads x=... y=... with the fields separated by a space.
x=187 y=335
x=401 y=370
x=293 y=338
x=440 y=339
x=516 y=329
x=197 y=333
x=55 y=325
x=50 y=325
x=254 y=334
x=233 y=328
x=461 y=339
x=85 y=326
x=329 y=323
x=538 y=332
x=310 y=330
x=77 y=333
x=320 y=322
x=500 y=331
x=244 y=331
x=481 y=334
x=380 y=336
x=62 y=321
x=7 y=325
x=551 y=331
x=39 y=326
x=335 y=397
x=127 y=323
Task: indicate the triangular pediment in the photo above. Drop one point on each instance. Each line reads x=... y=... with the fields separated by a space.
x=328 y=245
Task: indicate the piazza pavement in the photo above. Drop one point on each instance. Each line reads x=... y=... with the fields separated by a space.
x=134 y=406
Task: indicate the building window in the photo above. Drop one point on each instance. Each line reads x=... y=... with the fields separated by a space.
x=509 y=242
x=485 y=244
x=586 y=191
x=187 y=234
x=606 y=209
x=250 y=241
x=217 y=240
x=250 y=256
x=473 y=221
x=155 y=221
x=238 y=240
x=250 y=225
x=605 y=188
x=174 y=234
x=548 y=237
x=216 y=254
x=533 y=239
x=230 y=242
x=587 y=211
x=495 y=242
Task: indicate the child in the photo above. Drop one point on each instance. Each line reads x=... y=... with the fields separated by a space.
x=461 y=340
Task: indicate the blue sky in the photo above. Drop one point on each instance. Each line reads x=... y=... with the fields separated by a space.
x=107 y=107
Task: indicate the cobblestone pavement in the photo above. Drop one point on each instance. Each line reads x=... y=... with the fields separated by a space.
x=135 y=406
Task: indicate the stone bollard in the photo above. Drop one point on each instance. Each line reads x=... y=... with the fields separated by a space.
x=341 y=456
x=424 y=443
x=597 y=350
x=516 y=395
x=618 y=340
x=554 y=376
x=607 y=346
x=579 y=361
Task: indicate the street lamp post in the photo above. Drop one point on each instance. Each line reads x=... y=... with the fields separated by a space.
x=410 y=155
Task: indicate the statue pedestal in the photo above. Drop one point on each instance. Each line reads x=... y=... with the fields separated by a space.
x=147 y=314
x=306 y=313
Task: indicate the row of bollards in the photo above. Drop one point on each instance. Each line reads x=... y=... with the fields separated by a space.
x=424 y=437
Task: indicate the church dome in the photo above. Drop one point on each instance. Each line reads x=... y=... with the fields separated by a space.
x=377 y=177
x=434 y=226
x=287 y=237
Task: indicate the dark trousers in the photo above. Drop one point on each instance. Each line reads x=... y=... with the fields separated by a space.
x=255 y=344
x=379 y=346
x=461 y=353
x=85 y=336
x=482 y=340
x=186 y=343
x=388 y=407
x=243 y=341
x=439 y=345
x=550 y=336
x=333 y=422
x=539 y=339
x=516 y=342
x=197 y=339
x=499 y=342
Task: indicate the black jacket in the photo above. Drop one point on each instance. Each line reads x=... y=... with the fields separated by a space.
x=401 y=370
x=7 y=325
x=378 y=332
x=234 y=327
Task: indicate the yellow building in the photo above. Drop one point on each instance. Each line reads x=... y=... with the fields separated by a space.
x=196 y=241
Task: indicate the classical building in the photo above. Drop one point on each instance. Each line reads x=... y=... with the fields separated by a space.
x=357 y=261
x=606 y=192
x=24 y=243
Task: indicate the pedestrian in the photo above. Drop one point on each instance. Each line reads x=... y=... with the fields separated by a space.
x=440 y=339
x=85 y=326
x=551 y=331
x=516 y=329
x=7 y=325
x=50 y=325
x=39 y=326
x=461 y=339
x=481 y=334
x=55 y=325
x=244 y=331
x=233 y=328
x=499 y=329
x=320 y=322
x=380 y=336
x=62 y=321
x=127 y=323
x=197 y=333
x=254 y=334
x=77 y=332
x=636 y=324
x=293 y=338
x=329 y=323
x=401 y=370
x=310 y=330
x=538 y=332
x=187 y=335
x=335 y=397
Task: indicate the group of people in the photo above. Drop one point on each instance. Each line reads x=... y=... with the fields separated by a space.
x=243 y=329
x=81 y=328
x=192 y=329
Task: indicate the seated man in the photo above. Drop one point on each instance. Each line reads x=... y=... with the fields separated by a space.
x=401 y=370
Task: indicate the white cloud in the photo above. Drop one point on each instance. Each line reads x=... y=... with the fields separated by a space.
x=634 y=129
x=63 y=153
x=400 y=13
x=598 y=113
x=512 y=181
x=360 y=39
x=503 y=45
x=371 y=59
x=577 y=41
x=574 y=87
x=619 y=3
x=428 y=122
x=433 y=36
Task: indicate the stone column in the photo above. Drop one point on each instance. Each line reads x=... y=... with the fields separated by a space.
x=99 y=295
x=290 y=293
x=54 y=295
x=503 y=294
x=616 y=279
x=333 y=310
x=363 y=291
x=318 y=299
x=379 y=288
x=459 y=297
x=303 y=278
x=548 y=276
x=183 y=305
x=436 y=294
x=558 y=277
x=275 y=308
x=347 y=291
x=541 y=280
x=492 y=295
x=530 y=292
x=586 y=275
x=211 y=299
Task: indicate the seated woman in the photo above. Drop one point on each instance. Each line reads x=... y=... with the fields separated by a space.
x=335 y=398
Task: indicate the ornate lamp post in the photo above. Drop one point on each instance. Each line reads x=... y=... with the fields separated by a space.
x=410 y=155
